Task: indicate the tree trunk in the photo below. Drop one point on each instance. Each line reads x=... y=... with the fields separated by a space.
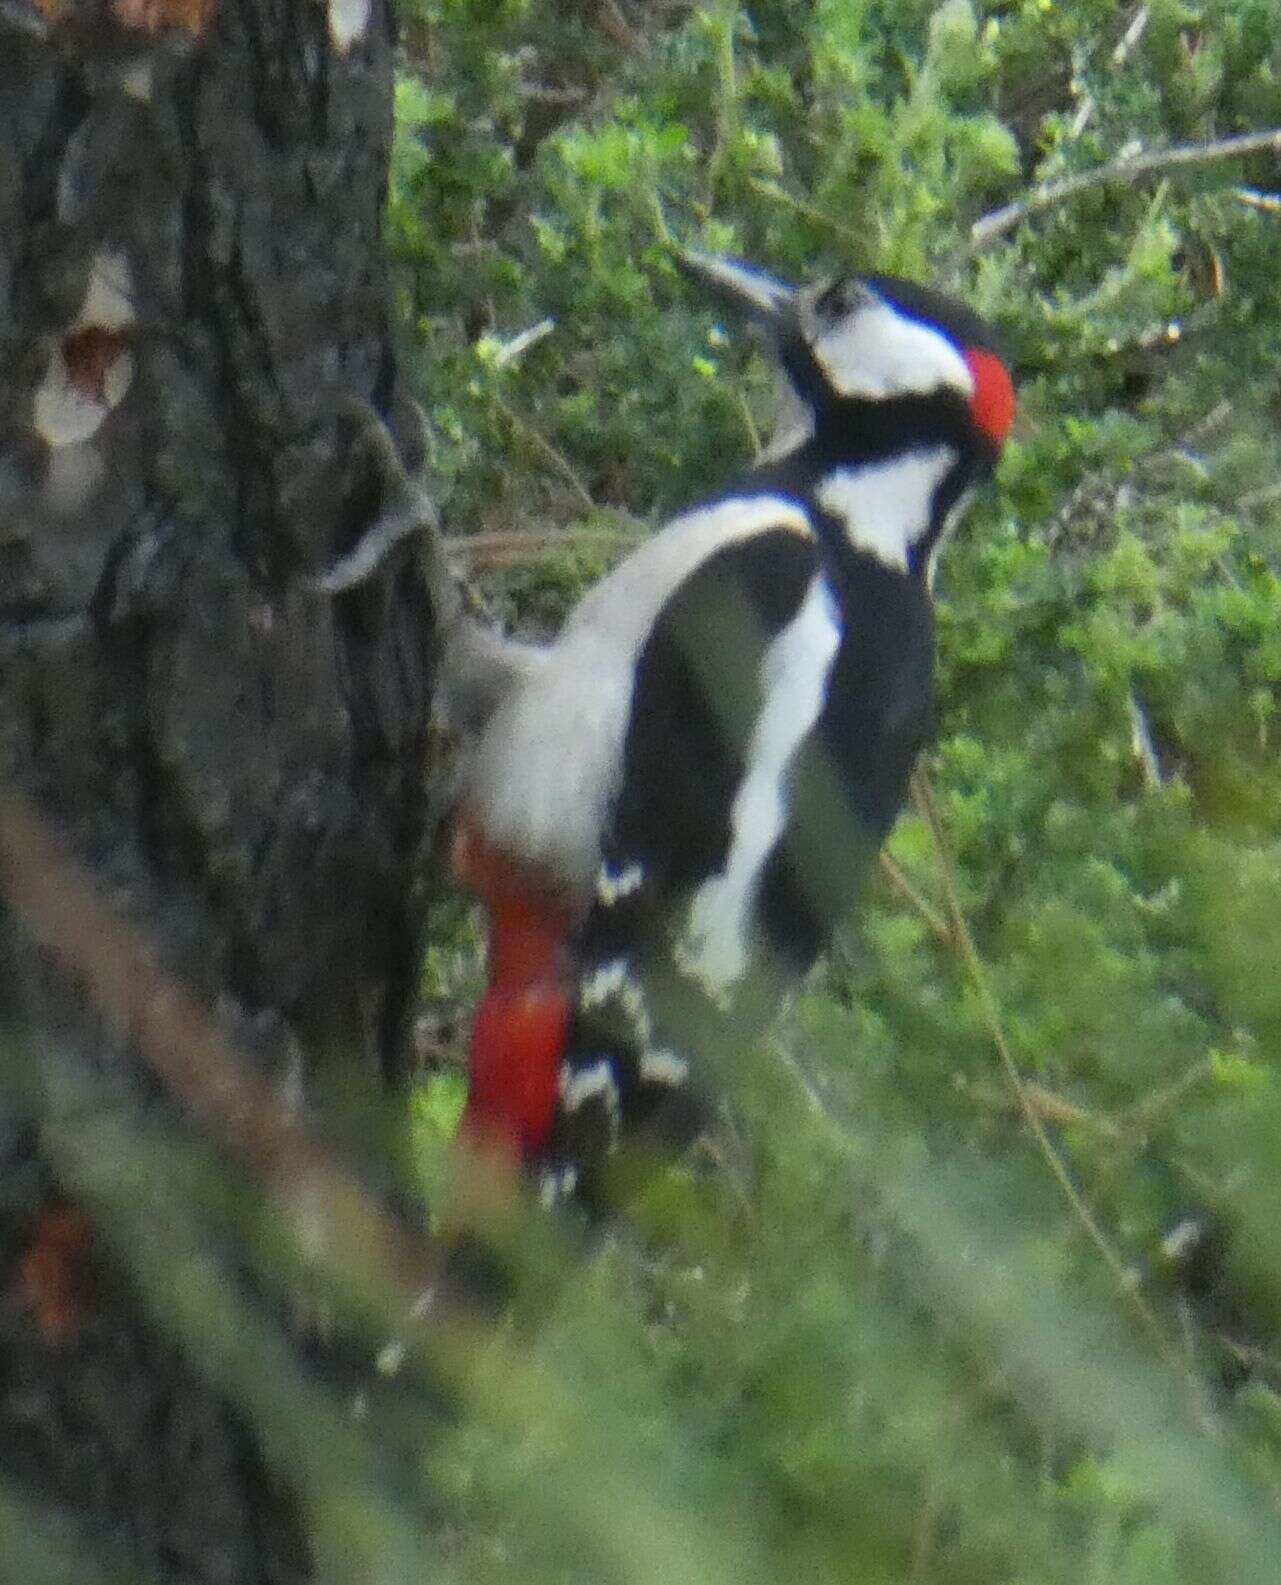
x=193 y=307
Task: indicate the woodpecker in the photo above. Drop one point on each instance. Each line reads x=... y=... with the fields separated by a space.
x=673 y=809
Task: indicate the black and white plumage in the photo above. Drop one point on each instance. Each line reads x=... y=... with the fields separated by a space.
x=673 y=811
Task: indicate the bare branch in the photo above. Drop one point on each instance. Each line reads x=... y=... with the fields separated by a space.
x=544 y=447
x=478 y=664
x=1048 y=1105
x=1252 y=198
x=530 y=545
x=934 y=921
x=1130 y=169
x=1130 y=39
x=1143 y=744
x=511 y=350
x=374 y=546
x=407 y=510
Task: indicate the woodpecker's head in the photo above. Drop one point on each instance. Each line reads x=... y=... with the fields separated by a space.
x=900 y=401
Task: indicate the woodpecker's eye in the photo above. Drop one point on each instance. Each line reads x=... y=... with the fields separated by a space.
x=840 y=298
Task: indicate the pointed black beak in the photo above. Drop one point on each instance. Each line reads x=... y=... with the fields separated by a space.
x=751 y=293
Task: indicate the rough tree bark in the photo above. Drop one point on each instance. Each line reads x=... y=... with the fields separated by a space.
x=193 y=304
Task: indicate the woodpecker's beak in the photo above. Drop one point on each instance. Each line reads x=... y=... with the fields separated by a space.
x=751 y=293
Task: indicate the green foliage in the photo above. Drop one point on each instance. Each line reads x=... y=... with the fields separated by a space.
x=907 y=1353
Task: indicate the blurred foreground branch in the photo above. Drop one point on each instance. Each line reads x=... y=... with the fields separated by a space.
x=194 y=1061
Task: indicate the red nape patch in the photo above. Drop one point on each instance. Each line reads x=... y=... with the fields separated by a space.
x=993 y=401
x=517 y=1043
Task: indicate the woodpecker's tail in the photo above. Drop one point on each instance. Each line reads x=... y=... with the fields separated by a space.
x=628 y=1098
x=579 y=1061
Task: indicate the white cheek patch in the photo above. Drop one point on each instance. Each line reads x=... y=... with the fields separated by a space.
x=715 y=946
x=886 y=507
x=878 y=352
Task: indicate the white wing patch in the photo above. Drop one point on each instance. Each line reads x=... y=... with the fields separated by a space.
x=878 y=351
x=578 y=1085
x=613 y=885
x=794 y=671
x=546 y=770
x=885 y=507
x=662 y=1066
x=614 y=982
x=555 y=1186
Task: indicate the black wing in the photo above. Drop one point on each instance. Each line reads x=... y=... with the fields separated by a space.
x=696 y=698
x=703 y=679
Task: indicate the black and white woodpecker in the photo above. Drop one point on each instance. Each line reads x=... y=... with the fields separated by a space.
x=679 y=802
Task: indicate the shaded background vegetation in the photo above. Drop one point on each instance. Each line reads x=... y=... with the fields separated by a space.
x=999 y=1301
x=986 y=1286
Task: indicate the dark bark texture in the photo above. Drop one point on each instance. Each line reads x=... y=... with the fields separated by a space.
x=193 y=304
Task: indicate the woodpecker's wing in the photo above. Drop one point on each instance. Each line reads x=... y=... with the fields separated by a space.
x=765 y=756
x=548 y=771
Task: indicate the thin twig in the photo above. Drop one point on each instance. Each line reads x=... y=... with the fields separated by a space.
x=536 y=541
x=1143 y=744
x=780 y=195
x=123 y=980
x=749 y=423
x=1252 y=500
x=1081 y=119
x=1205 y=428
x=541 y=444
x=1131 y=37
x=978 y=979
x=1144 y=1112
x=478 y=665
x=373 y=547
x=1120 y=58
x=617 y=27
x=1131 y=168
x=1250 y=1355
x=509 y=351
x=805 y=1086
x=551 y=94
x=1252 y=198
x=407 y=510
x=938 y=926
x=1050 y=1106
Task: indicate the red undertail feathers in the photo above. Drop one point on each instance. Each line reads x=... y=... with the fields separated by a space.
x=518 y=1037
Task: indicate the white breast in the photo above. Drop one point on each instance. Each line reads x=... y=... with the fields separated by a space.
x=546 y=770
x=716 y=943
x=886 y=507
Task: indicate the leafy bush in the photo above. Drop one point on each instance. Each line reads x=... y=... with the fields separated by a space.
x=943 y=1333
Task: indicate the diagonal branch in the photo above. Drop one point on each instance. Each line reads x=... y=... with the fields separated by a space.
x=1133 y=168
x=923 y=797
